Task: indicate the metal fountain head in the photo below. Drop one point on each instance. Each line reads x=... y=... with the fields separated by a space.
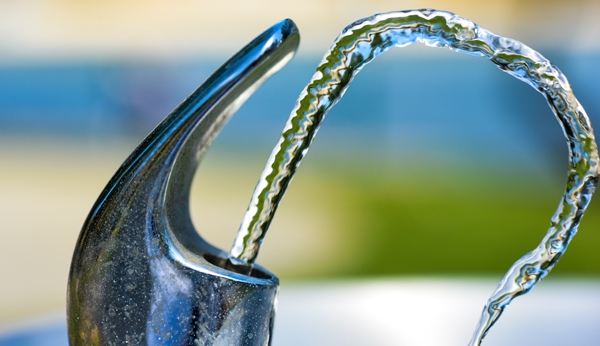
x=141 y=274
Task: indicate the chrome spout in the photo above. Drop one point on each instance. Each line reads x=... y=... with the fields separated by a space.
x=140 y=273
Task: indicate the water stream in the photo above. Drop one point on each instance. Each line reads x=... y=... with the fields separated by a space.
x=359 y=44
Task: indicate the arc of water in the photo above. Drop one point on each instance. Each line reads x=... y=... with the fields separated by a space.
x=364 y=40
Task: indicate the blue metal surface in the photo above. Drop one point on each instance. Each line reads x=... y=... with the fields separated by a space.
x=141 y=274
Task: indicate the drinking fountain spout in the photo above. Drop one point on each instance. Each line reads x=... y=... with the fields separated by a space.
x=140 y=273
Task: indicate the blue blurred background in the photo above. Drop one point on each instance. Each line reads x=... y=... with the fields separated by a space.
x=434 y=163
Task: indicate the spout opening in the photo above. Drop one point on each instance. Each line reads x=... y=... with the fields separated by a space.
x=224 y=263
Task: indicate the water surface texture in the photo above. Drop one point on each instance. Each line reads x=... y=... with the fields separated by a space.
x=360 y=43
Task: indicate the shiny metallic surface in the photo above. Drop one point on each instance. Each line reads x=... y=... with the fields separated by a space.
x=140 y=273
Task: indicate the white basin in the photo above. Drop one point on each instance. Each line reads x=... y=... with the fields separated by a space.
x=420 y=312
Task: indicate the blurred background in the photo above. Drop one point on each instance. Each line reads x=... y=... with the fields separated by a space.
x=434 y=163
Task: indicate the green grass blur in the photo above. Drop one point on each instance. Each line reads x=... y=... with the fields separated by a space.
x=426 y=219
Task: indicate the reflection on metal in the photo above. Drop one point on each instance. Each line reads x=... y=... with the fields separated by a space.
x=141 y=274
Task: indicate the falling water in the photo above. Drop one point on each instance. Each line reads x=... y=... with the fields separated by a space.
x=360 y=43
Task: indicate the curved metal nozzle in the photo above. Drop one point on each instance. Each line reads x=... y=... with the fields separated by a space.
x=140 y=273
